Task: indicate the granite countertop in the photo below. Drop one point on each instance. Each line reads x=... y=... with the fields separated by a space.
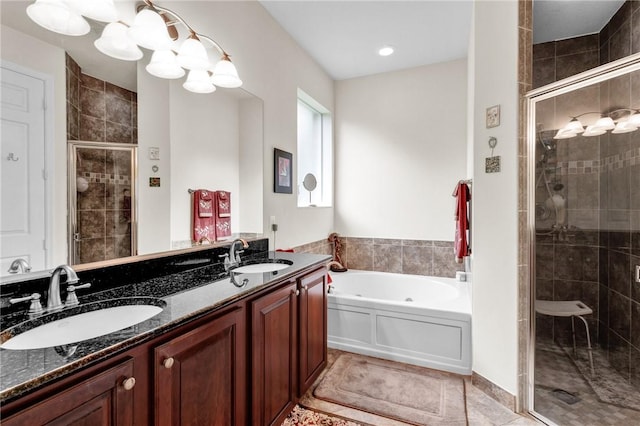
x=187 y=295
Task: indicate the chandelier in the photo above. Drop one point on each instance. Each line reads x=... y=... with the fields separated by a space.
x=624 y=124
x=154 y=28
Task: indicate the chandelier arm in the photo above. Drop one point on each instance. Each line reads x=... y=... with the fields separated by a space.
x=179 y=19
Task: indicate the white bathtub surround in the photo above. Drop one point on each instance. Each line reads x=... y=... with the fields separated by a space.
x=414 y=319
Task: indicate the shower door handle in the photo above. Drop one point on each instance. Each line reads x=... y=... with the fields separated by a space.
x=76 y=237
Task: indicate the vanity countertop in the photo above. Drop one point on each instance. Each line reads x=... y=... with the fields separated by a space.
x=188 y=295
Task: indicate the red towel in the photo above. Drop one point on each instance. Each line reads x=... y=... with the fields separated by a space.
x=204 y=229
x=223 y=203
x=205 y=203
x=223 y=214
x=460 y=244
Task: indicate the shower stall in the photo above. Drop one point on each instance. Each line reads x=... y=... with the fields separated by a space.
x=102 y=194
x=584 y=187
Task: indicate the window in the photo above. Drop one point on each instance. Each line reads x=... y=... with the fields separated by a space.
x=315 y=156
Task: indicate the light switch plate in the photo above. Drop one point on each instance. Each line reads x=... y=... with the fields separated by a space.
x=154 y=153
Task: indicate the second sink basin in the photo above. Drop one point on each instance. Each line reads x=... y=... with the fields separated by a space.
x=268 y=265
x=78 y=324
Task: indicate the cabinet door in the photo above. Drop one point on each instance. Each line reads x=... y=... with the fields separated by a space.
x=200 y=376
x=104 y=399
x=312 y=327
x=273 y=339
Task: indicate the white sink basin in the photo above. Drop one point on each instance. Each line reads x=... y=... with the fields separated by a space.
x=260 y=268
x=83 y=326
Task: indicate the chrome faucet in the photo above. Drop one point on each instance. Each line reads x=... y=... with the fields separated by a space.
x=54 y=302
x=19 y=266
x=233 y=257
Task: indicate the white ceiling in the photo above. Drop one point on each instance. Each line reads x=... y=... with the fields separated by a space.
x=344 y=36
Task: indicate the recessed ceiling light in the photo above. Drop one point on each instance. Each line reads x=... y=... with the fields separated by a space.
x=385 y=51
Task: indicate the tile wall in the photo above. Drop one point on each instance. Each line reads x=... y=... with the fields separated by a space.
x=594 y=261
x=416 y=257
x=98 y=111
x=525 y=55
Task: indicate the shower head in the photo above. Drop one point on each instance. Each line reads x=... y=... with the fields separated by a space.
x=548 y=145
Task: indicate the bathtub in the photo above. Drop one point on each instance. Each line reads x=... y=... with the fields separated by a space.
x=408 y=318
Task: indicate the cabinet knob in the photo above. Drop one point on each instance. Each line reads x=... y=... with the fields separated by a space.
x=295 y=292
x=168 y=363
x=305 y=288
x=129 y=383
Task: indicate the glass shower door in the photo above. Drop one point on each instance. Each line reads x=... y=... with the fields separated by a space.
x=102 y=213
x=587 y=249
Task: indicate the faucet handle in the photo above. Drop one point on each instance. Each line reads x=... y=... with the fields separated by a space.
x=227 y=262
x=238 y=260
x=72 y=299
x=35 y=308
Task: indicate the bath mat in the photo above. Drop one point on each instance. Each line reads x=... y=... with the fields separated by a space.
x=303 y=417
x=608 y=384
x=401 y=392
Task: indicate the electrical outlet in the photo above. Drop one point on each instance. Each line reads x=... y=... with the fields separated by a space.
x=272 y=220
x=637 y=273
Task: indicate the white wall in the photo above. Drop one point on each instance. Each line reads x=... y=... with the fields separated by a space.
x=205 y=153
x=44 y=58
x=250 y=199
x=154 y=130
x=493 y=60
x=401 y=142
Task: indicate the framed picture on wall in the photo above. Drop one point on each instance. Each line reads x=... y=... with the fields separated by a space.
x=283 y=171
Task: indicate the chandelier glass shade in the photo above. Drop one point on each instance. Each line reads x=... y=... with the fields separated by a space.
x=624 y=124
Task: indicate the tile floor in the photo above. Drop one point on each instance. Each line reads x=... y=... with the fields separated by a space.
x=481 y=409
x=555 y=370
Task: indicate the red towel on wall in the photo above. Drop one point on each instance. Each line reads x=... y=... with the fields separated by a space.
x=223 y=203
x=223 y=214
x=205 y=203
x=204 y=229
x=461 y=241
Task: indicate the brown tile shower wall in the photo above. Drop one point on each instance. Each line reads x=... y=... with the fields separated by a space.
x=619 y=325
x=620 y=37
x=104 y=209
x=73 y=99
x=99 y=111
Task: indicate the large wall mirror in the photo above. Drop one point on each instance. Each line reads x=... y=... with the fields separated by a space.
x=181 y=141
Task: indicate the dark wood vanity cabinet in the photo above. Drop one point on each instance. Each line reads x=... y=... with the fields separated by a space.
x=288 y=345
x=273 y=352
x=106 y=398
x=200 y=375
x=312 y=326
x=246 y=363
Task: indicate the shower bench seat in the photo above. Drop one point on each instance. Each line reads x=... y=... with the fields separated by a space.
x=568 y=308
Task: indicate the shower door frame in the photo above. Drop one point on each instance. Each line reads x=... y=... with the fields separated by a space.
x=602 y=73
x=72 y=167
